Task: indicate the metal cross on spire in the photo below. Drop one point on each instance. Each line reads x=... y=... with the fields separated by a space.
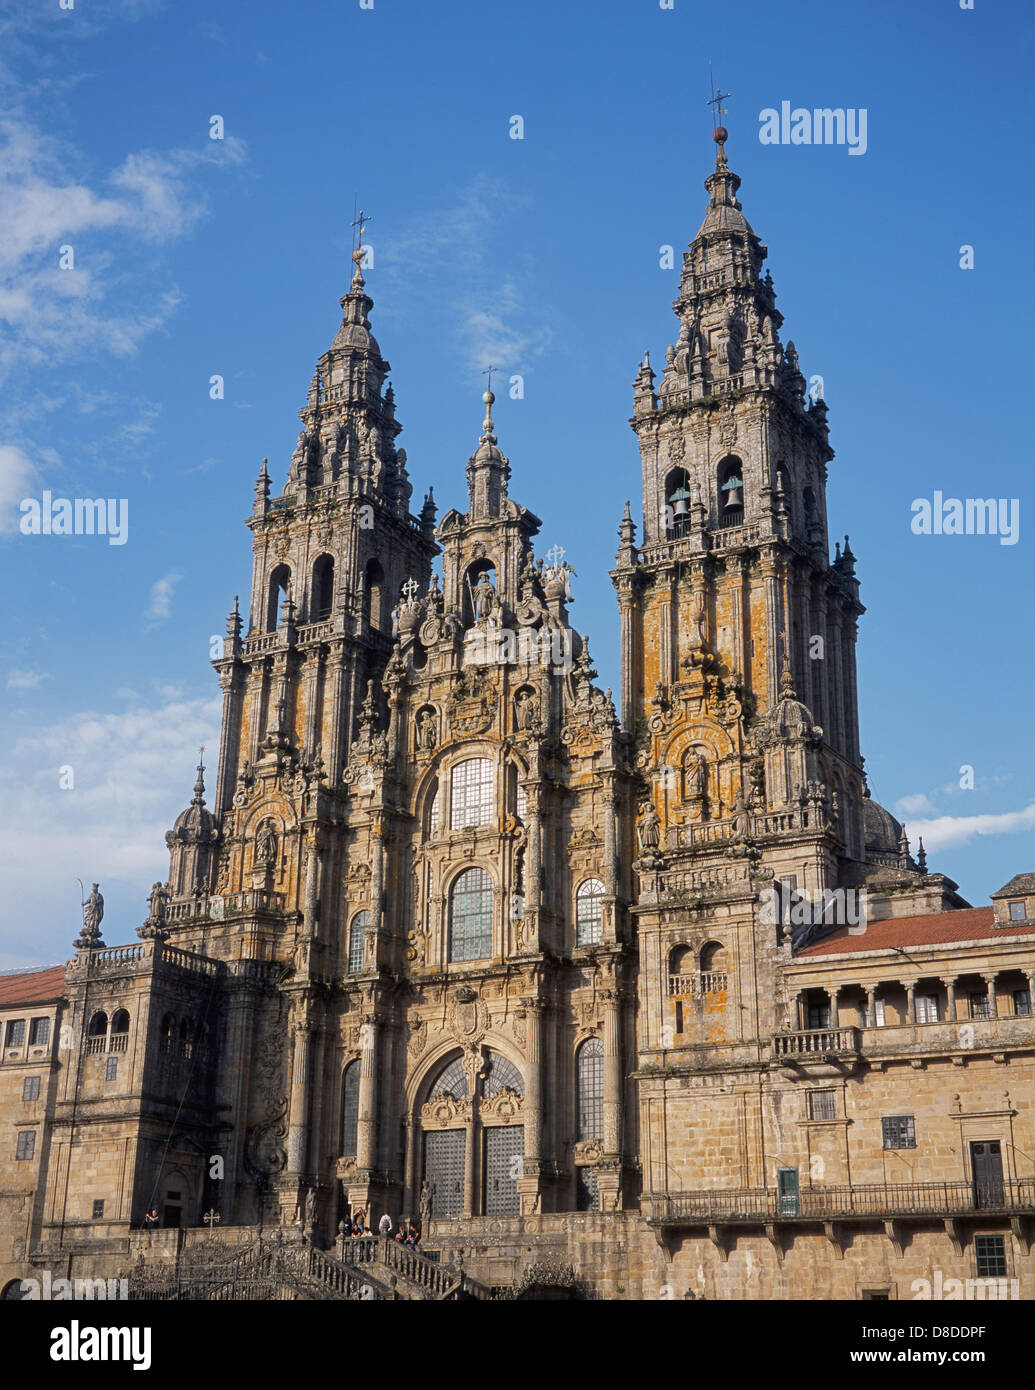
x=716 y=100
x=488 y=372
x=360 y=222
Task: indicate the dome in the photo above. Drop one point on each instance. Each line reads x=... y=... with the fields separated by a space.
x=790 y=718
x=882 y=831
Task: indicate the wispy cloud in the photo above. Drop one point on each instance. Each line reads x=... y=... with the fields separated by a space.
x=917 y=804
x=162 y=590
x=17 y=481
x=941 y=832
x=25 y=680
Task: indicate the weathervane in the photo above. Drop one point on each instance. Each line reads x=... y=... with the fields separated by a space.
x=716 y=100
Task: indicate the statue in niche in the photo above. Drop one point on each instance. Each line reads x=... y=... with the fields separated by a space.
x=427 y=732
x=484 y=597
x=266 y=843
x=695 y=776
x=648 y=829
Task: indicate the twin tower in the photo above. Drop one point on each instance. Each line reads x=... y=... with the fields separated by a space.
x=420 y=948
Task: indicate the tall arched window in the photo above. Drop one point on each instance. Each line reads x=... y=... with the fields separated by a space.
x=470 y=916
x=589 y=912
x=358 y=941
x=98 y=1025
x=590 y=1089
x=731 y=491
x=677 y=502
x=167 y=1033
x=349 y=1110
x=373 y=594
x=279 y=581
x=471 y=793
x=322 y=598
x=713 y=956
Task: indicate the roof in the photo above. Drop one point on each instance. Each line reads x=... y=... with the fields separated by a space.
x=1018 y=885
x=32 y=986
x=935 y=929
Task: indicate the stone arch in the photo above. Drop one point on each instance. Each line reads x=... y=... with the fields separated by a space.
x=729 y=481
x=279 y=583
x=321 y=593
x=714 y=956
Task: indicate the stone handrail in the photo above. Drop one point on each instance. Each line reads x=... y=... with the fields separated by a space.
x=698 y=983
x=815 y=1042
x=117 y=955
x=437 y=1281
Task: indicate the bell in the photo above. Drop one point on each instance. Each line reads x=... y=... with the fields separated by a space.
x=680 y=500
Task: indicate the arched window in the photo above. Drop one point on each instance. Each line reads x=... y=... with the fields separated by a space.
x=373 y=595
x=451 y=1081
x=279 y=581
x=713 y=956
x=322 y=598
x=471 y=793
x=167 y=1033
x=435 y=814
x=731 y=491
x=186 y=1037
x=677 y=502
x=470 y=916
x=502 y=1075
x=480 y=592
x=358 y=941
x=98 y=1025
x=590 y=1089
x=589 y=912
x=120 y=1022
x=349 y=1110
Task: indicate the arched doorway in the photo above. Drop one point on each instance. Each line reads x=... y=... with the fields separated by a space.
x=472 y=1138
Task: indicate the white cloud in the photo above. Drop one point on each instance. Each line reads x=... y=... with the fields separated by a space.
x=162 y=596
x=17 y=482
x=945 y=831
x=25 y=680
x=133 y=772
x=915 y=805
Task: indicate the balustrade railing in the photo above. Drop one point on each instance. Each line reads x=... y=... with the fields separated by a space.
x=876 y=1200
x=698 y=983
x=815 y=1042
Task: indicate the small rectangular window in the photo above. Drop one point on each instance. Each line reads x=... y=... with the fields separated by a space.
x=980 y=1006
x=1018 y=912
x=111 y=1068
x=991 y=1256
x=39 y=1032
x=26 y=1144
x=98 y=1209
x=31 y=1088
x=927 y=1008
x=1022 y=1002
x=899 y=1132
x=15 y=1032
x=679 y=1015
x=878 y=1009
x=822 y=1105
x=819 y=1015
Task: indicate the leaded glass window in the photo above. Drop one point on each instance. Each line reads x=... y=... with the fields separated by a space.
x=589 y=912
x=349 y=1109
x=39 y=1032
x=522 y=804
x=590 y=1090
x=470 y=916
x=471 y=793
x=436 y=812
x=503 y=1075
x=588 y=1195
x=358 y=942
x=451 y=1081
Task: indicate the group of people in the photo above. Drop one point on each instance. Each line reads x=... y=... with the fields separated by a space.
x=354 y=1227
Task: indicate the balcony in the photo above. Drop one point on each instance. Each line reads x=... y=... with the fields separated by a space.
x=877 y=1201
x=699 y=983
x=815 y=1044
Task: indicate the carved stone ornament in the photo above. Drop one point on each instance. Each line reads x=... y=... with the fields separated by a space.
x=588 y=1151
x=506 y=1106
x=418 y=1037
x=444 y=1110
x=467 y=1017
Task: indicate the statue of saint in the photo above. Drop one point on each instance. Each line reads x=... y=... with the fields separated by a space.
x=425 y=1207
x=484 y=597
x=427 y=735
x=695 y=776
x=156 y=902
x=93 y=911
x=266 y=843
x=648 y=831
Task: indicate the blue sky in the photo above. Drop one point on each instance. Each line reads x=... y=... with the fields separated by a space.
x=194 y=257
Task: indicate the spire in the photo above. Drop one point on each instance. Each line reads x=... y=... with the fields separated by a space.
x=921 y=857
x=199 y=786
x=488 y=470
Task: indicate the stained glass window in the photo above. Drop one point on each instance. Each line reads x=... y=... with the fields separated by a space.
x=349 y=1109
x=470 y=916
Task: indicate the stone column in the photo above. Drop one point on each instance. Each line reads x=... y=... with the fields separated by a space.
x=334 y=686
x=871 y=1005
x=528 y=1183
x=993 y=1002
x=911 y=1001
x=257 y=677
x=774 y=655
x=1030 y=976
x=735 y=580
x=366 y=1129
x=821 y=669
x=298 y=1112
x=627 y=620
x=612 y=1072
x=229 y=733
x=665 y=644
x=311 y=898
x=950 y=998
x=610 y=850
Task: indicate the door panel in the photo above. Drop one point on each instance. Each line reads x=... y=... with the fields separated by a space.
x=444 y=1171
x=987 y=1165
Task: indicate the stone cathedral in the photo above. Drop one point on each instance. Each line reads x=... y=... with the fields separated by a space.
x=643 y=1002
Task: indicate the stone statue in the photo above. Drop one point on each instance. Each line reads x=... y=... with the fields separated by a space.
x=695 y=776
x=648 y=832
x=528 y=710
x=310 y=1208
x=425 y=1207
x=484 y=597
x=427 y=735
x=266 y=843
x=741 y=819
x=435 y=600
x=93 y=911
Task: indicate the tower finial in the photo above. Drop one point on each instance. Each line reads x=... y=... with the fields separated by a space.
x=358 y=251
x=489 y=399
x=199 y=785
x=719 y=132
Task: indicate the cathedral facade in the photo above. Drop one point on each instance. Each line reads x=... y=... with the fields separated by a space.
x=650 y=1000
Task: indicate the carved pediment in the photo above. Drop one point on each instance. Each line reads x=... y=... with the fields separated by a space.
x=507 y=1105
x=445 y=1110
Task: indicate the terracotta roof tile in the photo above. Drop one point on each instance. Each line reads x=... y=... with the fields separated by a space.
x=32 y=987
x=936 y=929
